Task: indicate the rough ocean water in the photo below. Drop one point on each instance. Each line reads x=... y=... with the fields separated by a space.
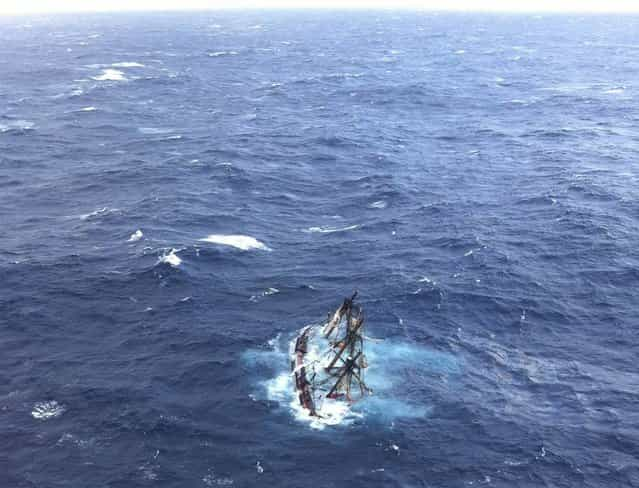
x=181 y=193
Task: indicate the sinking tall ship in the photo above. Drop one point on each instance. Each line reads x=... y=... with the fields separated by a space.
x=328 y=361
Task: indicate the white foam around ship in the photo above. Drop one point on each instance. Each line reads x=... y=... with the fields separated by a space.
x=110 y=75
x=242 y=242
x=136 y=236
x=386 y=359
x=171 y=258
x=47 y=410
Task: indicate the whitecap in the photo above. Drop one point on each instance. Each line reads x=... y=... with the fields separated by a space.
x=88 y=109
x=378 y=204
x=460 y=51
x=136 y=236
x=17 y=125
x=154 y=130
x=128 y=64
x=265 y=293
x=110 y=75
x=47 y=410
x=212 y=480
x=242 y=242
x=99 y=213
x=171 y=258
x=330 y=230
x=217 y=54
x=615 y=91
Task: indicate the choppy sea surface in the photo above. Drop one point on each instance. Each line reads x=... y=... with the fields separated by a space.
x=180 y=193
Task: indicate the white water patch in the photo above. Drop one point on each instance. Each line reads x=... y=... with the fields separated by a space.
x=136 y=236
x=330 y=230
x=211 y=479
x=171 y=258
x=128 y=64
x=265 y=293
x=88 y=109
x=98 y=213
x=110 y=75
x=245 y=243
x=67 y=438
x=378 y=204
x=16 y=125
x=154 y=130
x=47 y=410
x=615 y=91
x=217 y=54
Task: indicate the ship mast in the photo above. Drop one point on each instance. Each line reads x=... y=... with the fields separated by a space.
x=350 y=368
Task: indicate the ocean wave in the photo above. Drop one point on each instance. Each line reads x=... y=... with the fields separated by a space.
x=16 y=125
x=110 y=75
x=128 y=64
x=136 y=236
x=154 y=130
x=217 y=54
x=265 y=293
x=330 y=230
x=98 y=213
x=87 y=109
x=615 y=91
x=378 y=204
x=242 y=242
x=171 y=257
x=47 y=410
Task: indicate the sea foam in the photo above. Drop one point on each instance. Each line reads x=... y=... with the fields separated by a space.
x=330 y=230
x=128 y=64
x=136 y=236
x=16 y=125
x=47 y=410
x=110 y=75
x=171 y=258
x=242 y=242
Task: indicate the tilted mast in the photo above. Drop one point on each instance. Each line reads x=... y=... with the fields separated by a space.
x=347 y=369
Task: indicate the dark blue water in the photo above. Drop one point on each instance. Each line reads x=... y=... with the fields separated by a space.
x=474 y=177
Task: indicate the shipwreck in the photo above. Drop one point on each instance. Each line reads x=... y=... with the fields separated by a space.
x=328 y=361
